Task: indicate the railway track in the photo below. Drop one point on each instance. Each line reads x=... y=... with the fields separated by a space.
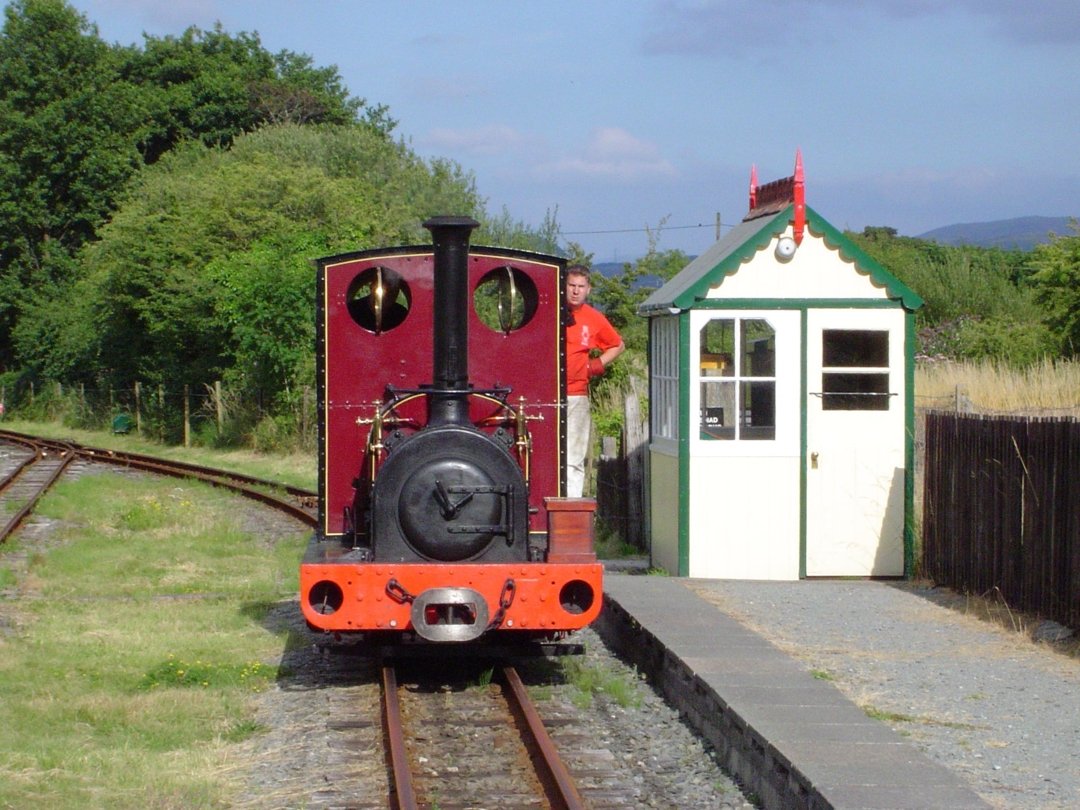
x=481 y=746
x=35 y=464
x=27 y=475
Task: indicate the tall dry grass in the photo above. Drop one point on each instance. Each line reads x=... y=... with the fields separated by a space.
x=1049 y=388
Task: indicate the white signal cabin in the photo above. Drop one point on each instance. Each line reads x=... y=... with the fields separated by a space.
x=781 y=367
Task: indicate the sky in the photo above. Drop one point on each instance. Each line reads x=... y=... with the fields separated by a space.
x=631 y=120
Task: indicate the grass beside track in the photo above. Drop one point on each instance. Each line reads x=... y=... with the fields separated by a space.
x=132 y=645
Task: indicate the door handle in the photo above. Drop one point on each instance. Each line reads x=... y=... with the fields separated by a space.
x=813 y=461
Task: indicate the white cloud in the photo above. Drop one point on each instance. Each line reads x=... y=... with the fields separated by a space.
x=613 y=153
x=494 y=139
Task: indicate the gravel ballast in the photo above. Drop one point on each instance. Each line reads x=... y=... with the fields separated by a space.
x=321 y=746
x=998 y=710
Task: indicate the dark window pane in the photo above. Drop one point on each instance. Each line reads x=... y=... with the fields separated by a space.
x=850 y=348
x=758 y=411
x=855 y=392
x=759 y=349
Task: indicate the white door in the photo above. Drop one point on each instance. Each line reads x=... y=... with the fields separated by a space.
x=855 y=442
x=745 y=444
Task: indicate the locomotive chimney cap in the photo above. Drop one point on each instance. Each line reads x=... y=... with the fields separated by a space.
x=451 y=221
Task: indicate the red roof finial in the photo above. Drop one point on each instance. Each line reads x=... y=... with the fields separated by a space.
x=800 y=197
x=753 y=186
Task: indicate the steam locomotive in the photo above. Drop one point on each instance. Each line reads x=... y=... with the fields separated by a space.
x=441 y=399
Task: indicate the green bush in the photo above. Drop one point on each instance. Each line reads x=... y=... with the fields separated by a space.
x=999 y=339
x=1011 y=342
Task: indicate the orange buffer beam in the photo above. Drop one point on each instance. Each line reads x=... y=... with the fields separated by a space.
x=351 y=597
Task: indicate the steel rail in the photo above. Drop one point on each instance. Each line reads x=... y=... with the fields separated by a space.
x=25 y=439
x=35 y=441
x=16 y=519
x=296 y=492
x=238 y=482
x=402 y=791
x=10 y=478
x=561 y=789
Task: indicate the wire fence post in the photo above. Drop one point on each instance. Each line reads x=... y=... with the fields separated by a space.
x=220 y=407
x=305 y=403
x=187 y=417
x=963 y=401
x=138 y=407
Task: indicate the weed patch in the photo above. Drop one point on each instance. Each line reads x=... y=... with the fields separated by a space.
x=174 y=672
x=897 y=717
x=590 y=680
x=483 y=680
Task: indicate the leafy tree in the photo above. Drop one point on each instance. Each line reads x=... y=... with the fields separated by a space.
x=1056 y=280
x=300 y=93
x=265 y=303
x=64 y=124
x=619 y=298
x=58 y=324
x=576 y=254
x=213 y=86
x=505 y=231
x=66 y=146
x=78 y=118
x=204 y=271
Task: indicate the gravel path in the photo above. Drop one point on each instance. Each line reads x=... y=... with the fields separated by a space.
x=999 y=710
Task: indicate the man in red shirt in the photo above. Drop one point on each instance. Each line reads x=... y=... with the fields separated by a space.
x=592 y=344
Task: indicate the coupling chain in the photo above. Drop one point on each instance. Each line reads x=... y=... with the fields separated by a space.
x=396 y=591
x=506 y=599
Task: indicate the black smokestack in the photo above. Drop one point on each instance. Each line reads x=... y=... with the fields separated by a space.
x=450 y=238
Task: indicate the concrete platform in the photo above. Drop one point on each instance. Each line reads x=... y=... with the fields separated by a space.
x=791 y=739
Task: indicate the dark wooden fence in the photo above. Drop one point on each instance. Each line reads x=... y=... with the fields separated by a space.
x=620 y=478
x=1001 y=510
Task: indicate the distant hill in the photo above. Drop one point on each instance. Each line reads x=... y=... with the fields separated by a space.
x=1022 y=233
x=608 y=269
x=612 y=269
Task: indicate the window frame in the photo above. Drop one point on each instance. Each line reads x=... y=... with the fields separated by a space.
x=877 y=375
x=787 y=376
x=664 y=379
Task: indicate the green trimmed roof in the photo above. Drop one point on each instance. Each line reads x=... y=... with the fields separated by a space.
x=738 y=246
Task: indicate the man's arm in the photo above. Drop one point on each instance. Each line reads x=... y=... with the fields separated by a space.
x=597 y=365
x=608 y=357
